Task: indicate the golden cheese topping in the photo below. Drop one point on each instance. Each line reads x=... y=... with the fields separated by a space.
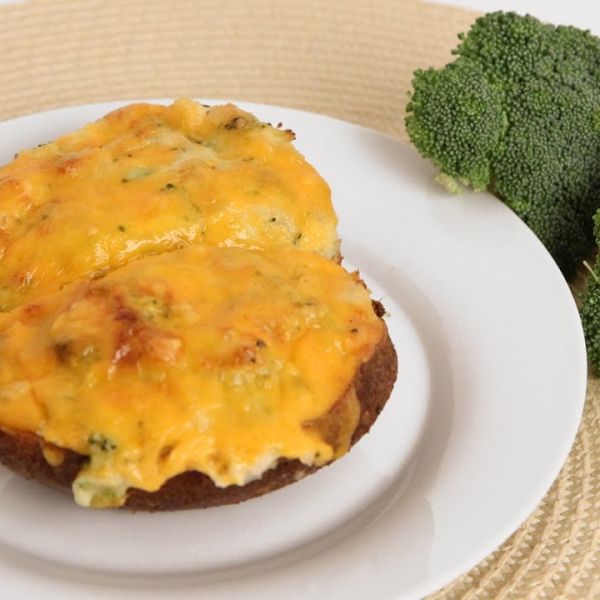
x=216 y=359
x=147 y=179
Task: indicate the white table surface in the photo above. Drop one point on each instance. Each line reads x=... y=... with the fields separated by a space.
x=579 y=13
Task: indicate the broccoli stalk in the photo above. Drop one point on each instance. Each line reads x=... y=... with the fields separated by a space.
x=590 y=318
x=517 y=113
x=590 y=306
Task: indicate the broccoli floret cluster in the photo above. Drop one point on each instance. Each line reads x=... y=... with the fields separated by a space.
x=517 y=113
x=590 y=319
x=590 y=306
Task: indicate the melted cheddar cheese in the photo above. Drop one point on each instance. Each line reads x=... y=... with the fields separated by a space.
x=210 y=358
x=147 y=179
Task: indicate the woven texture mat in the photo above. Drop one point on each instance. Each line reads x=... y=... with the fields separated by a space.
x=352 y=59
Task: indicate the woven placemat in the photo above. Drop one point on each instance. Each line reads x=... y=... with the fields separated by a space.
x=351 y=59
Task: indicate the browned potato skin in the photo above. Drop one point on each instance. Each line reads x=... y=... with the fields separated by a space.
x=22 y=452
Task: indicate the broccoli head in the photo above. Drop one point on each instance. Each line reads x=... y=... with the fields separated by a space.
x=462 y=133
x=590 y=307
x=518 y=113
x=590 y=318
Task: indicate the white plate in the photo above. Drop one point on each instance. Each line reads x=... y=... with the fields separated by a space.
x=490 y=394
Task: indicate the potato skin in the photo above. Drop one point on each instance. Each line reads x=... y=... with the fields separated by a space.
x=23 y=452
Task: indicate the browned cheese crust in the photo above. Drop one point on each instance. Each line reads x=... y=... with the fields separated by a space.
x=23 y=453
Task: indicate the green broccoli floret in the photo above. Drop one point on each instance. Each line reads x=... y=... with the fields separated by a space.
x=462 y=133
x=518 y=113
x=590 y=318
x=590 y=306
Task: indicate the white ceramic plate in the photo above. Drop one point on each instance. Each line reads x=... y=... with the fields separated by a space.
x=490 y=394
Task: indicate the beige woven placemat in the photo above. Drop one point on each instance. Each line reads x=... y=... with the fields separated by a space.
x=352 y=59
